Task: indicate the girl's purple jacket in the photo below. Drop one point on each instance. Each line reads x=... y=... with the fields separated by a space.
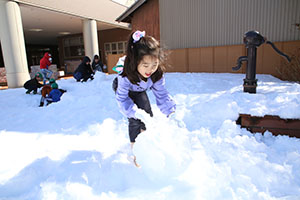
x=163 y=100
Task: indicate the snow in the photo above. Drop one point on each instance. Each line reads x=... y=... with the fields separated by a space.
x=77 y=148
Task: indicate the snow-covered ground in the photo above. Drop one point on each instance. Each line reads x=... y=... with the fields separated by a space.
x=76 y=148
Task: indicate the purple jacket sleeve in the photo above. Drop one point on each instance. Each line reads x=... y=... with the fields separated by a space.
x=163 y=100
x=125 y=102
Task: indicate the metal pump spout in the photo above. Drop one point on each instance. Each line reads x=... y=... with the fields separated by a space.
x=240 y=62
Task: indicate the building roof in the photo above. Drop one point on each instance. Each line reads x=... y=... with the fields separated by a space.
x=127 y=15
x=44 y=21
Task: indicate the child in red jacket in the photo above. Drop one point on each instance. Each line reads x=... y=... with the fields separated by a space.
x=45 y=63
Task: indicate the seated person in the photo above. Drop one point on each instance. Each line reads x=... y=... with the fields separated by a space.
x=46 y=91
x=54 y=95
x=33 y=84
x=84 y=70
x=97 y=65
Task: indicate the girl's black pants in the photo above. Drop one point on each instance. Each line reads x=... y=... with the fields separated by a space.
x=142 y=101
x=136 y=125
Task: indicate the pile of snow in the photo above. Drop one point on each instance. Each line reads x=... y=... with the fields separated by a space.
x=78 y=148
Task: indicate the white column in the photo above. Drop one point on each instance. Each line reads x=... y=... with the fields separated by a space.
x=13 y=44
x=90 y=38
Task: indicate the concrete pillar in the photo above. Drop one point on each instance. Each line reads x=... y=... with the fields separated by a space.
x=90 y=38
x=13 y=44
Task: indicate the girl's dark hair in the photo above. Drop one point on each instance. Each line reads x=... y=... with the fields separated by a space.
x=146 y=46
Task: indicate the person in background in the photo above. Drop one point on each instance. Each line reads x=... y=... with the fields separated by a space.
x=52 y=80
x=84 y=70
x=45 y=63
x=33 y=84
x=54 y=95
x=97 y=65
x=46 y=91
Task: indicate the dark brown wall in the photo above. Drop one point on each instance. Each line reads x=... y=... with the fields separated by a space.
x=147 y=18
x=111 y=35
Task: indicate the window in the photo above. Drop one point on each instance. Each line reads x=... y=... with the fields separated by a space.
x=115 y=48
x=73 y=47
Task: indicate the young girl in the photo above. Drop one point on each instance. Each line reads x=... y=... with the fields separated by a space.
x=143 y=69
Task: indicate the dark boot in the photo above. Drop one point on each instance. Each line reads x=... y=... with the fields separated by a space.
x=135 y=127
x=62 y=91
x=48 y=103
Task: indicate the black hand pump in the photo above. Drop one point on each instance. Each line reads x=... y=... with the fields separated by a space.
x=252 y=40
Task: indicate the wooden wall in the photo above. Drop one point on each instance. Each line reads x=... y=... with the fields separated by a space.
x=147 y=18
x=111 y=35
x=206 y=59
x=112 y=60
x=221 y=59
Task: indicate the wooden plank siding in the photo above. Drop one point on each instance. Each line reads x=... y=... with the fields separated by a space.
x=112 y=60
x=221 y=59
x=147 y=18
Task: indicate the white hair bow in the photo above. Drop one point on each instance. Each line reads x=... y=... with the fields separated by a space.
x=137 y=35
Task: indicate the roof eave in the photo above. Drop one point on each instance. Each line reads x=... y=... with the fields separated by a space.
x=125 y=17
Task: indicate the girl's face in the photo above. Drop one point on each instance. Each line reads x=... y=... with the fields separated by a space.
x=148 y=66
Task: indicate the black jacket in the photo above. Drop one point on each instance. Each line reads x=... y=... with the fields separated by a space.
x=32 y=84
x=97 y=65
x=83 y=68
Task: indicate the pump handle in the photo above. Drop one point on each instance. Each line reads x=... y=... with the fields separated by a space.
x=278 y=51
